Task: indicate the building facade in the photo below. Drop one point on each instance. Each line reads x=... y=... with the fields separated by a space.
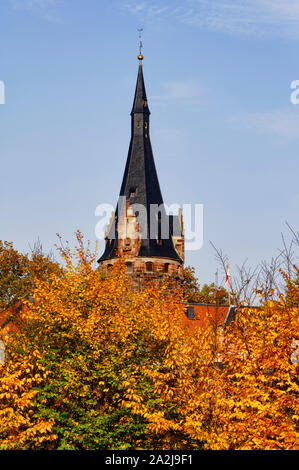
x=140 y=229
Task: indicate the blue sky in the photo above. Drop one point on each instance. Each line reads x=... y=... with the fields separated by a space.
x=223 y=129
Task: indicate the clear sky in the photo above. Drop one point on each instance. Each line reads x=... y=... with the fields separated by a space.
x=223 y=129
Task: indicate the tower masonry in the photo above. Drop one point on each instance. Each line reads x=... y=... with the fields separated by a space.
x=151 y=240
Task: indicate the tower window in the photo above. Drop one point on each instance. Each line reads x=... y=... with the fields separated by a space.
x=132 y=192
x=2 y=353
x=166 y=267
x=190 y=312
x=129 y=267
x=149 y=267
x=145 y=125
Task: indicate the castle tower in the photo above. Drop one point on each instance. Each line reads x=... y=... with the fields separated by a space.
x=151 y=240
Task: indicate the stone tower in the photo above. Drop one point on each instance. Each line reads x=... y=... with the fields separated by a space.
x=151 y=240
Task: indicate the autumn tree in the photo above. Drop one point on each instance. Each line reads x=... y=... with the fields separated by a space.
x=13 y=269
x=259 y=383
x=207 y=294
x=95 y=365
x=18 y=271
x=257 y=405
x=84 y=370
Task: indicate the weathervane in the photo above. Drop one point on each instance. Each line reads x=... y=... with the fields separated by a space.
x=140 y=56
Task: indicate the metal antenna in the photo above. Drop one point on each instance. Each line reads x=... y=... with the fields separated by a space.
x=140 y=41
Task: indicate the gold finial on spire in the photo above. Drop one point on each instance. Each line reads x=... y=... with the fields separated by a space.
x=140 y=56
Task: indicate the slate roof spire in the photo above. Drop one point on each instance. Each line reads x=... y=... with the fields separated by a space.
x=140 y=183
x=140 y=104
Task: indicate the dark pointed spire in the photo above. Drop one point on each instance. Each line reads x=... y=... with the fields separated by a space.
x=140 y=183
x=140 y=104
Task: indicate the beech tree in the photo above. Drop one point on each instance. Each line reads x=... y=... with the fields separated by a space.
x=18 y=271
x=208 y=293
x=81 y=371
x=95 y=365
x=258 y=403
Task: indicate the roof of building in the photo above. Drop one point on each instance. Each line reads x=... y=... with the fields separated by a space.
x=200 y=315
x=140 y=104
x=140 y=185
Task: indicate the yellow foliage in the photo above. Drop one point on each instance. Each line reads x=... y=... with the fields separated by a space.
x=129 y=351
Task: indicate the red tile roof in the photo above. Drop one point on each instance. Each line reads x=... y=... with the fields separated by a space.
x=205 y=314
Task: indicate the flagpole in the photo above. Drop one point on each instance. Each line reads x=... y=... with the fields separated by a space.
x=227 y=282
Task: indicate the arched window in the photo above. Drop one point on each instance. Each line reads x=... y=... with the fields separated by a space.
x=166 y=267
x=149 y=267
